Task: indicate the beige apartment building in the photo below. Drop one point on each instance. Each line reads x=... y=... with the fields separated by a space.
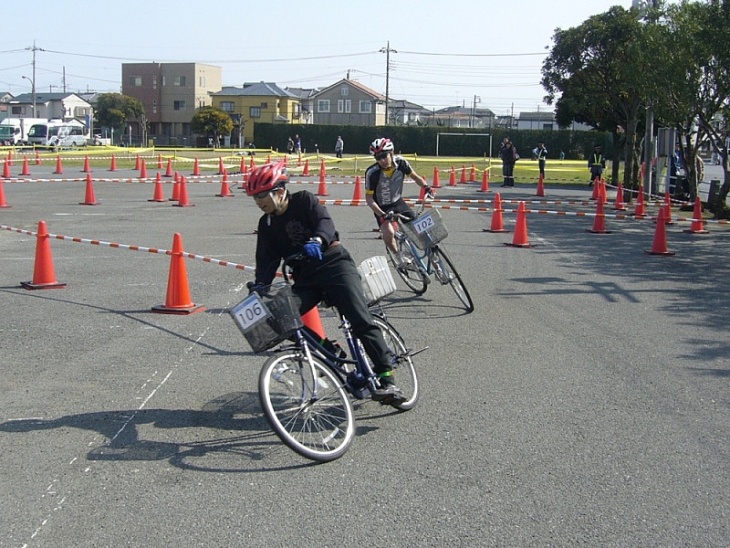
x=170 y=94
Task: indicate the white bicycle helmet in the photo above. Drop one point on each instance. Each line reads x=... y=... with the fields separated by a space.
x=381 y=145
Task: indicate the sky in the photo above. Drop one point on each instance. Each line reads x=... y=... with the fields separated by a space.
x=468 y=53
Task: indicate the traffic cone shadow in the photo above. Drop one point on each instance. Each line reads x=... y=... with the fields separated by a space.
x=659 y=246
x=44 y=275
x=599 y=223
x=497 y=221
x=90 y=198
x=520 y=238
x=178 y=299
x=697 y=226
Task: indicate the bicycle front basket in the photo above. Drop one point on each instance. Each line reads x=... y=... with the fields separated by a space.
x=267 y=319
x=426 y=230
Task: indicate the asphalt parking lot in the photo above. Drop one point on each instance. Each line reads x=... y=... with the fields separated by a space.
x=584 y=402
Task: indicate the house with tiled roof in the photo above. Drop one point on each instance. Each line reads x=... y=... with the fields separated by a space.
x=306 y=101
x=349 y=103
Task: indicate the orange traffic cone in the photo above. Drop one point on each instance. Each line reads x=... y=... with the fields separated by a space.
x=313 y=321
x=322 y=168
x=436 y=182
x=472 y=174
x=322 y=190
x=10 y=158
x=602 y=196
x=183 y=200
x=87 y=168
x=697 y=224
x=485 y=181
x=37 y=158
x=168 y=171
x=242 y=167
x=44 y=275
x=299 y=160
x=540 y=186
x=26 y=167
x=357 y=194
x=640 y=209
x=619 y=204
x=305 y=171
x=596 y=190
x=497 y=221
x=252 y=164
x=175 y=190
x=225 y=188
x=422 y=194
x=462 y=179
x=137 y=161
x=196 y=167
x=159 y=161
x=452 y=177
x=113 y=164
x=221 y=169
x=159 y=195
x=90 y=198
x=668 y=209
x=3 y=203
x=659 y=247
x=6 y=170
x=178 y=292
x=599 y=223
x=143 y=170
x=520 y=237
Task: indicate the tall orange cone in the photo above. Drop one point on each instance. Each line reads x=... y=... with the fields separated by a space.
x=640 y=209
x=10 y=157
x=618 y=203
x=697 y=224
x=183 y=200
x=178 y=292
x=596 y=190
x=168 y=171
x=252 y=164
x=137 y=165
x=520 y=237
x=196 y=167
x=357 y=194
x=44 y=275
x=497 y=221
x=485 y=181
x=143 y=170
x=668 y=209
x=436 y=182
x=242 y=167
x=221 y=169
x=322 y=168
x=299 y=160
x=659 y=247
x=472 y=174
x=37 y=158
x=462 y=179
x=175 y=190
x=87 y=168
x=3 y=203
x=305 y=171
x=6 y=170
x=599 y=223
x=159 y=195
x=159 y=161
x=540 y=186
x=26 y=167
x=452 y=177
x=90 y=198
x=113 y=164
x=225 y=188
x=322 y=189
x=313 y=321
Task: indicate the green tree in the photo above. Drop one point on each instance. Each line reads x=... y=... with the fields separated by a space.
x=211 y=122
x=115 y=110
x=597 y=74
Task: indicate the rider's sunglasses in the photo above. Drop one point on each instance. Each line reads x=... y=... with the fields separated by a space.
x=382 y=155
x=261 y=195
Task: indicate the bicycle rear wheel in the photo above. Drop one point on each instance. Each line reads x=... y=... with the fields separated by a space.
x=411 y=274
x=320 y=427
x=446 y=273
x=403 y=369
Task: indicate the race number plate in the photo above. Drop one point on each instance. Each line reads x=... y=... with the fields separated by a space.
x=250 y=312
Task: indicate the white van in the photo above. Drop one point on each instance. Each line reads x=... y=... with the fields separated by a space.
x=70 y=134
x=14 y=131
x=38 y=133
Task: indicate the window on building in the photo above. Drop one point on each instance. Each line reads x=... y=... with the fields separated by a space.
x=254 y=112
x=135 y=81
x=340 y=105
x=18 y=110
x=179 y=81
x=348 y=105
x=366 y=107
x=345 y=91
x=227 y=106
x=154 y=106
x=154 y=81
x=323 y=105
x=264 y=106
x=178 y=105
x=201 y=81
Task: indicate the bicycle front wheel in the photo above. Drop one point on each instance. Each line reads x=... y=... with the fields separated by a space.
x=446 y=273
x=306 y=406
x=411 y=274
x=403 y=369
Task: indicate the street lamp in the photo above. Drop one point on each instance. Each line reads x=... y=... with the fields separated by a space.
x=32 y=91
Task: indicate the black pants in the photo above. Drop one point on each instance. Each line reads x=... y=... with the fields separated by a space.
x=336 y=278
x=508 y=169
x=541 y=167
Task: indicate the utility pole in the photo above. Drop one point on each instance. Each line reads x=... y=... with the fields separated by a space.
x=387 y=52
x=32 y=79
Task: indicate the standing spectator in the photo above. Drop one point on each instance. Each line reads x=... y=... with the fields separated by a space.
x=562 y=155
x=297 y=145
x=339 y=145
x=541 y=154
x=508 y=154
x=676 y=170
x=290 y=145
x=596 y=163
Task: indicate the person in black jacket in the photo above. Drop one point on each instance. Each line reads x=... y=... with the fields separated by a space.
x=297 y=222
x=508 y=155
x=596 y=163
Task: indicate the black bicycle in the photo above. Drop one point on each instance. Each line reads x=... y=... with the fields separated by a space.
x=305 y=388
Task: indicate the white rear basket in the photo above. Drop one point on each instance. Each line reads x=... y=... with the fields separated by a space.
x=377 y=281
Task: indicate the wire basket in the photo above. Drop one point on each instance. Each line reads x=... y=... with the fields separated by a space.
x=426 y=230
x=377 y=281
x=267 y=319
